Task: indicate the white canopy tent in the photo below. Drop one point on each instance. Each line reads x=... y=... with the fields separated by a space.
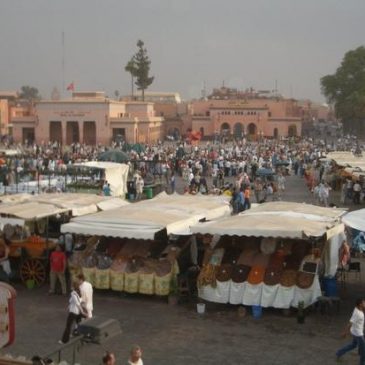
x=30 y=210
x=115 y=173
x=175 y=213
x=77 y=203
x=355 y=219
x=81 y=204
x=347 y=159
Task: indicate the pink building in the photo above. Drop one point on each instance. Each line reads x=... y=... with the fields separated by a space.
x=269 y=117
x=7 y=102
x=90 y=118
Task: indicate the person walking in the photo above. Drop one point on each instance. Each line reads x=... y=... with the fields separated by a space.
x=356 y=193
x=58 y=268
x=135 y=357
x=86 y=291
x=356 y=328
x=108 y=359
x=246 y=195
x=75 y=312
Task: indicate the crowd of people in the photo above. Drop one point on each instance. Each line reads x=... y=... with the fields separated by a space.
x=207 y=168
x=239 y=169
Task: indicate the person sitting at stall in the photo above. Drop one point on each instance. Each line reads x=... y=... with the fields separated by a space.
x=106 y=188
x=4 y=259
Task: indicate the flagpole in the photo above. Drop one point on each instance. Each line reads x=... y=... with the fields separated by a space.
x=63 y=63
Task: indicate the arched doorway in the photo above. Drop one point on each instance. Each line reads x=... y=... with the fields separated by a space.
x=276 y=133
x=72 y=133
x=176 y=134
x=225 y=129
x=55 y=132
x=292 y=130
x=252 y=129
x=90 y=133
x=238 y=130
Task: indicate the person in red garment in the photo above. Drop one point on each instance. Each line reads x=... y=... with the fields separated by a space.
x=58 y=268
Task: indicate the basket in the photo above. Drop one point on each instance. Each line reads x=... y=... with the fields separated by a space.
x=116 y=280
x=30 y=284
x=162 y=284
x=131 y=282
x=89 y=274
x=146 y=284
x=102 y=279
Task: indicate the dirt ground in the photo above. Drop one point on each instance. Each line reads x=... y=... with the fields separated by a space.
x=178 y=335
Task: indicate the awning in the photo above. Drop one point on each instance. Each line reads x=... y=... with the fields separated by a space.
x=175 y=213
x=276 y=219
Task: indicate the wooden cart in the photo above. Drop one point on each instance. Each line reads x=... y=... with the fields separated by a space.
x=31 y=256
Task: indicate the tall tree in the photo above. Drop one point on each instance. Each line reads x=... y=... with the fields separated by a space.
x=131 y=68
x=142 y=66
x=345 y=89
x=29 y=93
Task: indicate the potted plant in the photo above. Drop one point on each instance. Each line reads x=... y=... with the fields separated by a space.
x=174 y=291
x=301 y=314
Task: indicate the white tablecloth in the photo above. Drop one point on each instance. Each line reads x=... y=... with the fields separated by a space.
x=276 y=296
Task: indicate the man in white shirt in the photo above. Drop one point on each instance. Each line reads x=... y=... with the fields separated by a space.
x=86 y=291
x=356 y=328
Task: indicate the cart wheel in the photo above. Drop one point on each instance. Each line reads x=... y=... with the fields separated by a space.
x=33 y=269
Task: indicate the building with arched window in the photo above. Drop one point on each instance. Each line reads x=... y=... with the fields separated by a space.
x=257 y=117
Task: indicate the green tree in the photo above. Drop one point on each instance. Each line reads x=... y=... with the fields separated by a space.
x=142 y=65
x=345 y=89
x=29 y=93
x=131 y=68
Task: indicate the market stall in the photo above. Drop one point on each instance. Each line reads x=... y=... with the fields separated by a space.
x=271 y=255
x=128 y=249
x=25 y=222
x=116 y=174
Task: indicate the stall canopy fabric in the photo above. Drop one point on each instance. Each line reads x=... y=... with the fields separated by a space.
x=175 y=213
x=81 y=204
x=355 y=219
x=115 y=173
x=76 y=203
x=347 y=159
x=31 y=210
x=276 y=219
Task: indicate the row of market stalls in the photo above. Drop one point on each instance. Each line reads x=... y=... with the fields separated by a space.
x=131 y=249
x=272 y=255
x=349 y=165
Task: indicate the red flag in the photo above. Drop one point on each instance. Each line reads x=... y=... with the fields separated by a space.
x=71 y=87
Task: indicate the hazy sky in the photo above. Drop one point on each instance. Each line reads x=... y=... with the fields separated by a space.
x=245 y=43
